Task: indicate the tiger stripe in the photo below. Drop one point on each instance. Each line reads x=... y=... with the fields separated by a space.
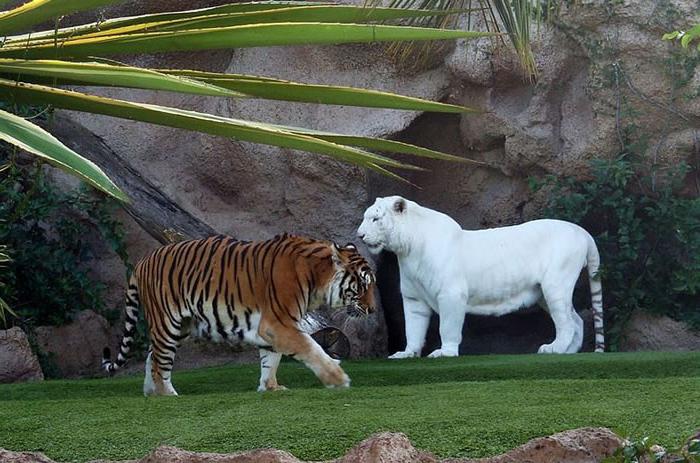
x=596 y=287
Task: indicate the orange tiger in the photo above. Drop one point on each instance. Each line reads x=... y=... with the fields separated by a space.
x=255 y=292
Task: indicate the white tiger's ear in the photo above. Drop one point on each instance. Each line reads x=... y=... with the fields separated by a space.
x=400 y=205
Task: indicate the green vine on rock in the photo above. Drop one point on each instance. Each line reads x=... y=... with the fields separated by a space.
x=52 y=237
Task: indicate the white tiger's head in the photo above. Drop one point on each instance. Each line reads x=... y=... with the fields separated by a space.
x=383 y=224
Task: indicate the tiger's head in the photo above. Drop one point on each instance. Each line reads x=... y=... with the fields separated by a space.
x=354 y=282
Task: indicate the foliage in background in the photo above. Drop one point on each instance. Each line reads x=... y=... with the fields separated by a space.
x=48 y=231
x=648 y=237
x=685 y=37
x=34 y=65
x=4 y=307
x=643 y=451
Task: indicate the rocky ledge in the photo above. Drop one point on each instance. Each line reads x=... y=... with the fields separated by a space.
x=583 y=445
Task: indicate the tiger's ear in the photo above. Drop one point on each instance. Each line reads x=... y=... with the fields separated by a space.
x=400 y=205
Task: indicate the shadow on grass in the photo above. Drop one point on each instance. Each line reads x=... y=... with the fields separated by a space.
x=368 y=373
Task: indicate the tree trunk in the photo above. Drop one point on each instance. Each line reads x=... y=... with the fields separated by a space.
x=161 y=217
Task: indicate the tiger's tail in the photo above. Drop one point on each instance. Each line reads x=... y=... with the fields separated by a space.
x=593 y=259
x=131 y=315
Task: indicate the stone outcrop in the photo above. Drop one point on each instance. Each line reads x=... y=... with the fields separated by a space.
x=17 y=361
x=584 y=445
x=596 y=57
x=645 y=331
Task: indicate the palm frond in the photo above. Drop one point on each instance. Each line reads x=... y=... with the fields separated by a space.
x=34 y=66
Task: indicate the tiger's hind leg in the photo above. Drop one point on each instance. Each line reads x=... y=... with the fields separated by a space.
x=558 y=297
x=269 y=361
x=577 y=342
x=162 y=359
x=301 y=346
x=149 y=387
x=161 y=355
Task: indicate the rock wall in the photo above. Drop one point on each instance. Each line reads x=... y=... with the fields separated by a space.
x=597 y=58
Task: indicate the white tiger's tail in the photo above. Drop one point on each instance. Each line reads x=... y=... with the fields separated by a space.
x=593 y=259
x=131 y=313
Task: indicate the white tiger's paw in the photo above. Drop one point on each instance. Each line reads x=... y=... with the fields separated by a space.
x=545 y=349
x=550 y=349
x=403 y=354
x=442 y=353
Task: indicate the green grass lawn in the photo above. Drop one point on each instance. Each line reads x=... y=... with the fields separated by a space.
x=466 y=406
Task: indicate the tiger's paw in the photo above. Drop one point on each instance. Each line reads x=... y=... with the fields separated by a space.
x=442 y=353
x=344 y=384
x=405 y=354
x=334 y=376
x=275 y=388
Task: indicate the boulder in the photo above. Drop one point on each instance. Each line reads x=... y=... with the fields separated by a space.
x=8 y=456
x=387 y=447
x=583 y=445
x=645 y=331
x=76 y=348
x=17 y=361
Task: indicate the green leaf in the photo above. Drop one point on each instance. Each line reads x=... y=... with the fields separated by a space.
x=37 y=11
x=157 y=17
x=34 y=139
x=694 y=446
x=259 y=35
x=313 y=13
x=380 y=144
x=213 y=84
x=105 y=74
x=192 y=120
x=670 y=35
x=325 y=94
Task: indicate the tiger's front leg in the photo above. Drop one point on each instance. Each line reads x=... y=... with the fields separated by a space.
x=269 y=361
x=301 y=346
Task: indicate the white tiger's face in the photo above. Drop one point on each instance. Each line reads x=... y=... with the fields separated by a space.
x=378 y=228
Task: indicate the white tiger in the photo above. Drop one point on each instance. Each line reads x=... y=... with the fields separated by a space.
x=487 y=272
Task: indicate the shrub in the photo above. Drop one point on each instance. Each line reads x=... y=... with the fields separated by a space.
x=48 y=232
x=647 y=233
